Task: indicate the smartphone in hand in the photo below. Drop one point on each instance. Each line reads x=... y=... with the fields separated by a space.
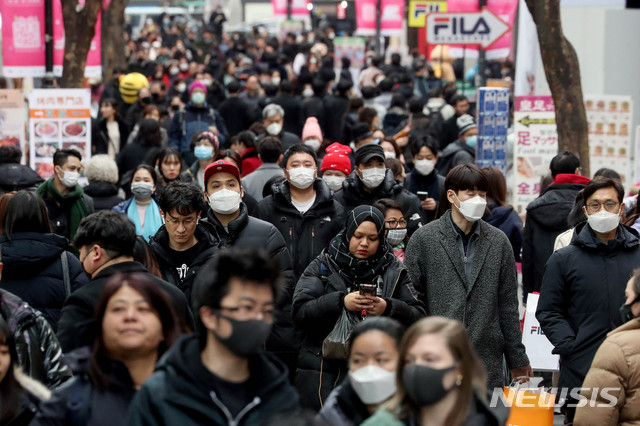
x=423 y=195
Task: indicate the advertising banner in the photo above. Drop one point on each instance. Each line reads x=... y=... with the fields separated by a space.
x=299 y=9
x=418 y=10
x=351 y=47
x=58 y=118
x=392 y=15
x=536 y=144
x=493 y=123
x=12 y=118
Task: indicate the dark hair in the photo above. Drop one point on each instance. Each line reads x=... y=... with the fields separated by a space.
x=213 y=280
x=497 y=185
x=394 y=165
x=185 y=198
x=576 y=215
x=458 y=98
x=233 y=86
x=386 y=325
x=366 y=115
x=248 y=138
x=299 y=149
x=601 y=183
x=148 y=110
x=608 y=173
x=10 y=154
x=162 y=155
x=270 y=149
x=143 y=253
x=61 y=156
x=148 y=168
x=398 y=100
x=319 y=86
x=393 y=142
x=154 y=295
x=112 y=231
x=257 y=128
x=114 y=103
x=26 y=212
x=149 y=133
x=460 y=178
x=565 y=162
x=377 y=60
x=355 y=104
x=10 y=389
x=417 y=141
x=232 y=154
x=385 y=204
x=416 y=104
x=369 y=92
x=286 y=86
x=4 y=200
x=267 y=188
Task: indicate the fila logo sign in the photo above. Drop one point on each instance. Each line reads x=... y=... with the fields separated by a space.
x=478 y=28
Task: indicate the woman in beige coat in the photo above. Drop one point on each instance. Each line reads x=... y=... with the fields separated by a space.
x=616 y=366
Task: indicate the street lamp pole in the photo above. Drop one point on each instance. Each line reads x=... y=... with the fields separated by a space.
x=289 y=10
x=48 y=44
x=482 y=64
x=378 y=25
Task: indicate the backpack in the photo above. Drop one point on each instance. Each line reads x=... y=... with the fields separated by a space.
x=183 y=122
x=436 y=122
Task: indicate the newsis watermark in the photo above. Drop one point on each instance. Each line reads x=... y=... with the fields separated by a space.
x=600 y=397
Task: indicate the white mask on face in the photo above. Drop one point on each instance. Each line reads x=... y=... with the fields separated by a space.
x=69 y=178
x=313 y=144
x=301 y=177
x=334 y=182
x=396 y=236
x=373 y=384
x=389 y=154
x=307 y=93
x=473 y=208
x=225 y=201
x=373 y=177
x=274 y=129
x=424 y=167
x=603 y=221
x=275 y=80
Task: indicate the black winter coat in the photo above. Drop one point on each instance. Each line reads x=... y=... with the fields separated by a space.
x=100 y=136
x=293 y=119
x=306 y=234
x=343 y=407
x=454 y=154
x=238 y=115
x=168 y=267
x=76 y=327
x=508 y=221
x=318 y=302
x=582 y=291
x=335 y=110
x=14 y=177
x=353 y=194
x=105 y=195
x=39 y=352
x=433 y=183
x=33 y=271
x=181 y=392
x=546 y=219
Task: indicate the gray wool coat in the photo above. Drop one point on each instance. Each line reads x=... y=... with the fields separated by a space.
x=488 y=305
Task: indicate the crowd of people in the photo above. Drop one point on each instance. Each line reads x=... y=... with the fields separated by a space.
x=266 y=240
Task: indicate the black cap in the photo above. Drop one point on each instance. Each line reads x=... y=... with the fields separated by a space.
x=369 y=151
x=361 y=131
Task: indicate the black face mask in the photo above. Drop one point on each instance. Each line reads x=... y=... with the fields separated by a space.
x=247 y=337
x=625 y=311
x=146 y=100
x=175 y=107
x=424 y=385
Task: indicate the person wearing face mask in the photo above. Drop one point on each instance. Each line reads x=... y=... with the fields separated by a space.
x=359 y=255
x=395 y=225
x=373 y=360
x=222 y=376
x=441 y=380
x=302 y=208
x=311 y=134
x=424 y=177
x=135 y=112
x=371 y=181
x=205 y=148
x=470 y=274
x=228 y=220
x=614 y=367
x=336 y=166
x=273 y=120
x=197 y=116
x=66 y=201
x=463 y=150
x=583 y=284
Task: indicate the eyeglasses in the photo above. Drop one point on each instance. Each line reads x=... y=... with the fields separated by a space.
x=249 y=312
x=610 y=206
x=185 y=222
x=396 y=223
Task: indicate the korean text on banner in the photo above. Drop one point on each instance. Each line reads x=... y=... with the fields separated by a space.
x=12 y=118
x=537 y=345
x=418 y=10
x=391 y=17
x=609 y=122
x=536 y=144
x=58 y=119
x=493 y=123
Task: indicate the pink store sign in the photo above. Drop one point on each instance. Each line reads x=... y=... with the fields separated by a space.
x=299 y=9
x=392 y=15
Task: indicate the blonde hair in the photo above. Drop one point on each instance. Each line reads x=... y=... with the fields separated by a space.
x=101 y=168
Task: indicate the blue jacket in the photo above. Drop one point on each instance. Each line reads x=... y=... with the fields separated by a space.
x=192 y=120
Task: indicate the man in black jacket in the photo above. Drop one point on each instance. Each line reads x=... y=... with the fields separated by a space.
x=302 y=208
x=106 y=240
x=221 y=376
x=292 y=107
x=238 y=115
x=182 y=245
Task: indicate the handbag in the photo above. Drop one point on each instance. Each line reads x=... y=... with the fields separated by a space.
x=334 y=345
x=529 y=406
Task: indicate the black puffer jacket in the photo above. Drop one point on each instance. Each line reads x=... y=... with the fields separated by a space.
x=169 y=268
x=33 y=271
x=454 y=154
x=546 y=219
x=14 y=177
x=306 y=234
x=105 y=195
x=318 y=302
x=353 y=195
x=39 y=352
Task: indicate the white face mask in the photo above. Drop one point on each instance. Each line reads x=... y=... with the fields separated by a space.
x=274 y=129
x=69 y=178
x=396 y=236
x=603 y=221
x=424 y=167
x=206 y=82
x=373 y=384
x=334 y=182
x=301 y=177
x=313 y=144
x=389 y=154
x=275 y=80
x=373 y=177
x=181 y=87
x=473 y=208
x=225 y=201
x=307 y=93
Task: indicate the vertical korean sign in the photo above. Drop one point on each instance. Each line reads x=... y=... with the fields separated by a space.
x=22 y=37
x=609 y=121
x=493 y=122
x=536 y=144
x=58 y=118
x=12 y=118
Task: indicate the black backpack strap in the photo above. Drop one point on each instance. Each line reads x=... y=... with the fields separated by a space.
x=65 y=274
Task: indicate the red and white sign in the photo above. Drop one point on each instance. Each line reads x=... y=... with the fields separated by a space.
x=391 y=17
x=299 y=9
x=477 y=28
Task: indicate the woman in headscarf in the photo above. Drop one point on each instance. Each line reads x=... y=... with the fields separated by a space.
x=358 y=273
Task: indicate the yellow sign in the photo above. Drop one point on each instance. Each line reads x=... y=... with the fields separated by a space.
x=418 y=10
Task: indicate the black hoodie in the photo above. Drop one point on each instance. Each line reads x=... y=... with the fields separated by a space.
x=182 y=391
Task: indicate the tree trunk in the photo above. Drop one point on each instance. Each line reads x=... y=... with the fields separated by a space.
x=563 y=75
x=113 y=39
x=79 y=29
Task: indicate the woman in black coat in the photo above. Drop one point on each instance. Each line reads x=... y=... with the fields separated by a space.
x=143 y=149
x=359 y=255
x=109 y=133
x=34 y=258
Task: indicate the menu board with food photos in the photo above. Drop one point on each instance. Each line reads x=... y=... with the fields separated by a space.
x=12 y=118
x=609 y=120
x=58 y=119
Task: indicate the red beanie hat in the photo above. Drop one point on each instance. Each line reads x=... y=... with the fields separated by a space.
x=337 y=159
